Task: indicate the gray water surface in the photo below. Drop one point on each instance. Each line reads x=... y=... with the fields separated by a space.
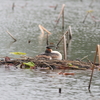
x=22 y=22
x=40 y=84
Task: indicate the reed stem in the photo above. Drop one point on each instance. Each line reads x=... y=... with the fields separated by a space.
x=61 y=39
x=70 y=33
x=85 y=17
x=47 y=42
x=64 y=47
x=91 y=3
x=93 y=68
x=13 y=6
x=60 y=14
x=11 y=36
x=63 y=20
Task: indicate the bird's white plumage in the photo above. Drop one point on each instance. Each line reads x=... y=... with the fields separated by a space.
x=59 y=55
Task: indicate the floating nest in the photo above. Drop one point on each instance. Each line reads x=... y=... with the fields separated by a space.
x=46 y=63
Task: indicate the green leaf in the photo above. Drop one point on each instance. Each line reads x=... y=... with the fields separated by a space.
x=31 y=64
x=69 y=64
x=18 y=53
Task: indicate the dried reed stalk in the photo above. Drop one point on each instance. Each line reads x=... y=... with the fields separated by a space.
x=11 y=35
x=98 y=46
x=44 y=29
x=99 y=53
x=85 y=17
x=70 y=33
x=61 y=39
x=64 y=46
x=61 y=14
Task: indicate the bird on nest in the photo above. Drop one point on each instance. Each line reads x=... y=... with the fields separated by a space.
x=49 y=54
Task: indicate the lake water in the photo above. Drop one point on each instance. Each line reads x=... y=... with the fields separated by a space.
x=22 y=23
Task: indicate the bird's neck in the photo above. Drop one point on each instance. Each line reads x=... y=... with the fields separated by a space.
x=48 y=50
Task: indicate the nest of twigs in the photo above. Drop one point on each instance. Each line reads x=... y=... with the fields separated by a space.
x=46 y=63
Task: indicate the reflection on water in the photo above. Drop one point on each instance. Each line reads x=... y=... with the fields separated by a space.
x=22 y=22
